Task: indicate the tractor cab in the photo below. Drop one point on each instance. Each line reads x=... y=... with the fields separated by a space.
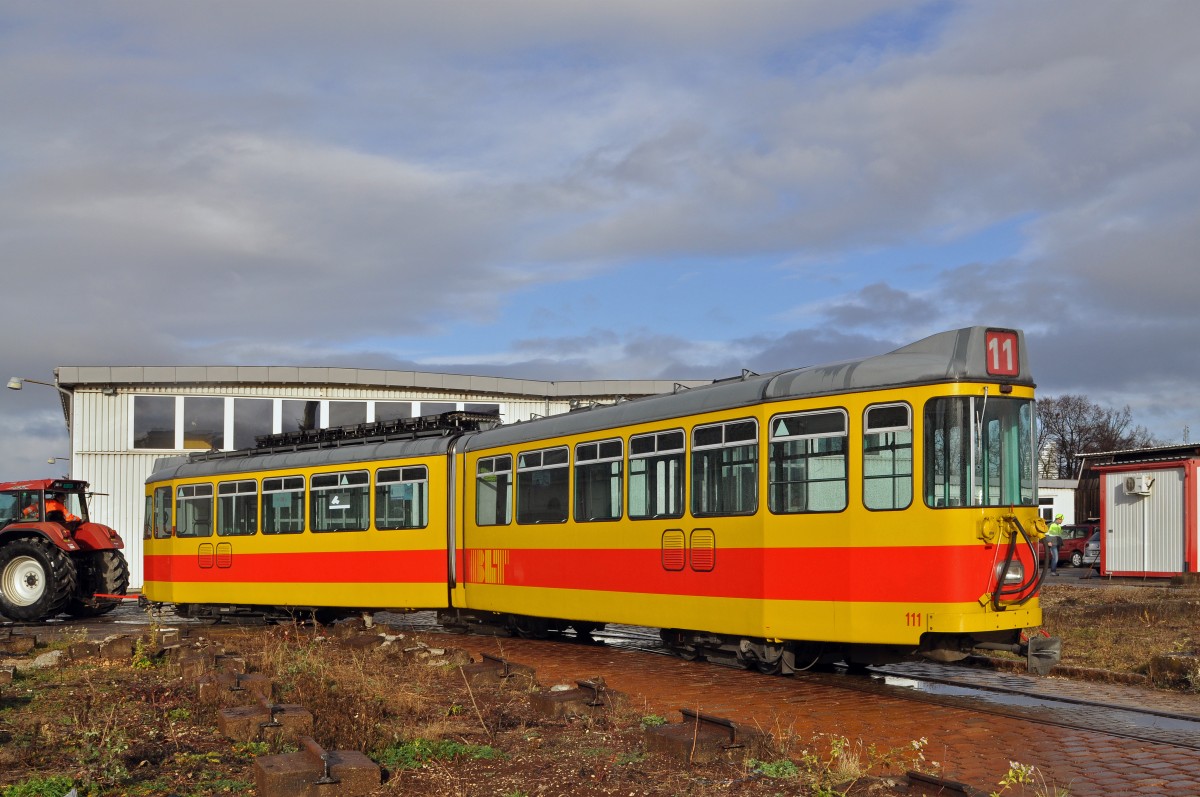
x=62 y=501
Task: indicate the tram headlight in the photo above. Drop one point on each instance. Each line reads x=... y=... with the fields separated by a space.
x=1015 y=574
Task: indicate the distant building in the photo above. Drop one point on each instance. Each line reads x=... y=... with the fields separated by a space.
x=1147 y=502
x=1057 y=496
x=122 y=419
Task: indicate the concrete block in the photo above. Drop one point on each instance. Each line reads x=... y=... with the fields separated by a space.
x=313 y=772
x=230 y=663
x=265 y=722
x=423 y=654
x=116 y=648
x=16 y=644
x=7 y=673
x=702 y=738
x=216 y=686
x=363 y=641
x=586 y=699
x=494 y=671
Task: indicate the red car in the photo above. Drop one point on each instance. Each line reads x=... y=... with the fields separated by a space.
x=1074 y=540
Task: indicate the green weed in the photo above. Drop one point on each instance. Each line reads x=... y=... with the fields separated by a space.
x=416 y=753
x=53 y=786
x=782 y=769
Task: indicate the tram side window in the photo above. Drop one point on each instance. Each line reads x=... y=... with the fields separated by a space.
x=162 y=512
x=656 y=475
x=887 y=457
x=493 y=491
x=543 y=484
x=402 y=498
x=598 y=480
x=725 y=468
x=283 y=505
x=340 y=501
x=237 y=508
x=808 y=462
x=194 y=509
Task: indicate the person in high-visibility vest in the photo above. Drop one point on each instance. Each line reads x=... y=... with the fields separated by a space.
x=1053 y=541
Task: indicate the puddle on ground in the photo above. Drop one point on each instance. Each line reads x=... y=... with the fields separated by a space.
x=1137 y=719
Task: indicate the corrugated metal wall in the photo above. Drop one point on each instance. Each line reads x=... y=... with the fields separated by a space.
x=1144 y=534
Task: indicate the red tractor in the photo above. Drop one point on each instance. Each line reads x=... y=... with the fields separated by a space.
x=53 y=559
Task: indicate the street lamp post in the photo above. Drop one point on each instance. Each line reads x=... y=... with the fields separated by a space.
x=18 y=382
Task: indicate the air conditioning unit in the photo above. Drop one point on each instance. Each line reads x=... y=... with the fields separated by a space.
x=1138 y=485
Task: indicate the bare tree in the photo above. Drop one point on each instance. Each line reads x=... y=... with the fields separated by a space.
x=1069 y=425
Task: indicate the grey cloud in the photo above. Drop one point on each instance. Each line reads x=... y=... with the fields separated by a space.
x=290 y=181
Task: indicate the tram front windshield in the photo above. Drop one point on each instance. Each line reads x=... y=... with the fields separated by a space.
x=979 y=451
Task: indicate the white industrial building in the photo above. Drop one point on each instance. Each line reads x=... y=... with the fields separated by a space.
x=122 y=419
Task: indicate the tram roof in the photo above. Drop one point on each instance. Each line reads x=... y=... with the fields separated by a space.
x=954 y=356
x=183 y=467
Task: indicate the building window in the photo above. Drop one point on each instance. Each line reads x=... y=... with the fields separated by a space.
x=204 y=422
x=402 y=498
x=154 y=422
x=252 y=418
x=808 y=462
x=300 y=416
x=392 y=410
x=347 y=413
x=725 y=468
x=490 y=409
x=493 y=495
x=598 y=480
x=283 y=505
x=237 y=508
x=437 y=407
x=193 y=510
x=656 y=475
x=339 y=501
x=887 y=457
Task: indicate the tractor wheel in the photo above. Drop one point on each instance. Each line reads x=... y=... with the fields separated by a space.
x=100 y=572
x=36 y=579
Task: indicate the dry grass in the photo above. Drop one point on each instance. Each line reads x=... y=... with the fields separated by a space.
x=1121 y=628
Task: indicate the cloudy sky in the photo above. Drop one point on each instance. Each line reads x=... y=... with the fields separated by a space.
x=629 y=189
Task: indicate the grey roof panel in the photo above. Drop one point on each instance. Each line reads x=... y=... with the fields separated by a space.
x=948 y=356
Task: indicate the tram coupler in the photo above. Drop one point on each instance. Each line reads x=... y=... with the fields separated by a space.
x=1041 y=652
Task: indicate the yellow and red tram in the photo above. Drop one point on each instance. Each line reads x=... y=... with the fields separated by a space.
x=862 y=511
